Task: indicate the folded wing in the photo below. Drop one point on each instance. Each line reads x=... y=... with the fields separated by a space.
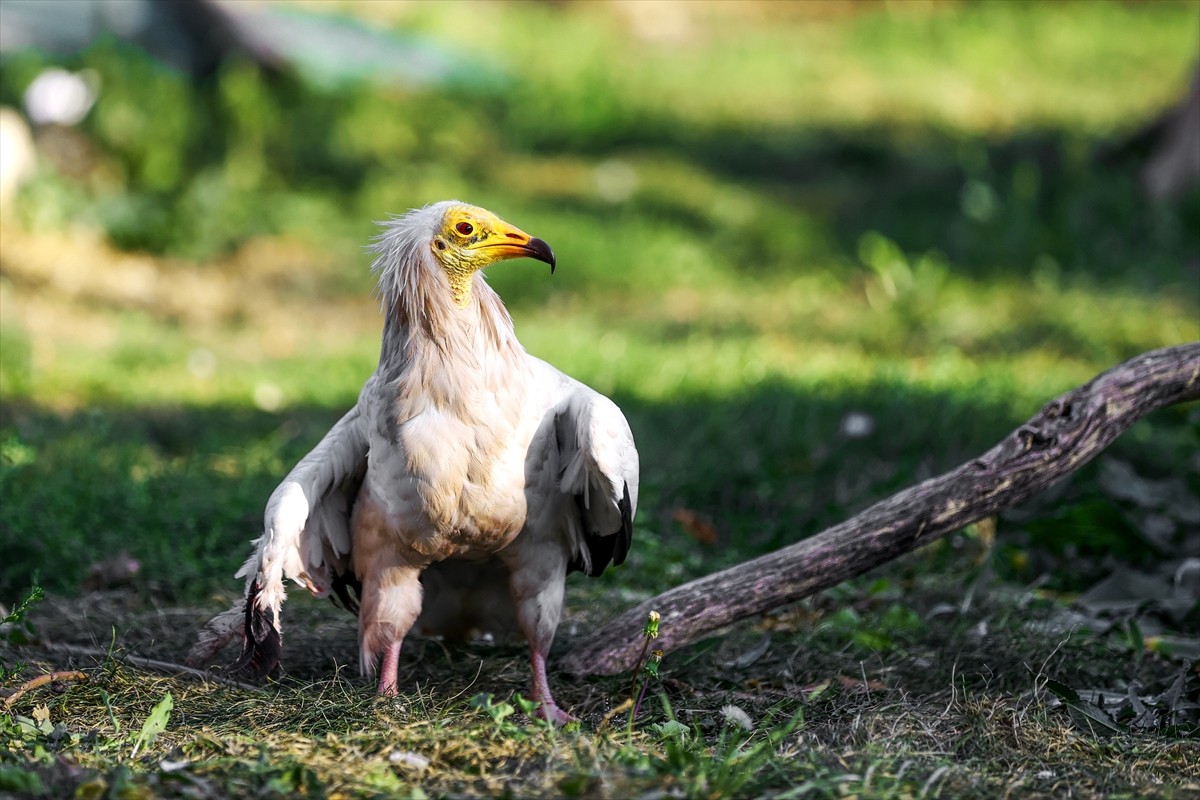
x=600 y=470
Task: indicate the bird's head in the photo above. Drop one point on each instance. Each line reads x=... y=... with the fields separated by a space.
x=470 y=238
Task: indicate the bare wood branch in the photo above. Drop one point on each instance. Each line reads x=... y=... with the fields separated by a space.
x=1067 y=433
x=39 y=681
x=168 y=667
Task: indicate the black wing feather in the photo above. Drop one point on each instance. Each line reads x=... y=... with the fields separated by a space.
x=343 y=584
x=605 y=549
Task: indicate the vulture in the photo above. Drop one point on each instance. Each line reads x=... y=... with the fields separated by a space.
x=469 y=479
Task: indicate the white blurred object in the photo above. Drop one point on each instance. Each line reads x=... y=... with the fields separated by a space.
x=616 y=180
x=661 y=22
x=17 y=156
x=408 y=759
x=268 y=396
x=736 y=716
x=202 y=363
x=197 y=36
x=857 y=425
x=58 y=97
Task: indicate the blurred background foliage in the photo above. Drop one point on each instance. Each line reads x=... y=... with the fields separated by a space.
x=817 y=251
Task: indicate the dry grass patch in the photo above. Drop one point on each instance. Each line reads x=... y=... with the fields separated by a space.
x=944 y=711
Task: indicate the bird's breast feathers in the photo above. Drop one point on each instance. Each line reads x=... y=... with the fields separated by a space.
x=446 y=486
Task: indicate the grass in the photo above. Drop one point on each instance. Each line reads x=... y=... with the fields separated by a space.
x=767 y=218
x=829 y=718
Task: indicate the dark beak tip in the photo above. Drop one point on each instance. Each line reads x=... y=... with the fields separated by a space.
x=542 y=252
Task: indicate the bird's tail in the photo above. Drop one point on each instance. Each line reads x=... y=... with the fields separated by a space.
x=219 y=631
x=262 y=641
x=262 y=637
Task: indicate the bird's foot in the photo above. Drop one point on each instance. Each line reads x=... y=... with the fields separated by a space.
x=547 y=709
x=550 y=712
x=387 y=690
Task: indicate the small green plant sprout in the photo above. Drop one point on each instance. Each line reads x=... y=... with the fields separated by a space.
x=16 y=629
x=496 y=712
x=155 y=724
x=529 y=708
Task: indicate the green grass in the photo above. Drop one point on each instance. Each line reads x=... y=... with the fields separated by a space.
x=764 y=221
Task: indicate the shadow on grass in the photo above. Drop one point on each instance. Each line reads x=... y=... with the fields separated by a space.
x=986 y=203
x=182 y=489
x=928 y=648
x=1038 y=201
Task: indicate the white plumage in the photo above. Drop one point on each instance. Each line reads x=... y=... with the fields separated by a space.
x=467 y=464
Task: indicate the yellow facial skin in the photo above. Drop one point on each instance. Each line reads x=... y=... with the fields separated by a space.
x=472 y=238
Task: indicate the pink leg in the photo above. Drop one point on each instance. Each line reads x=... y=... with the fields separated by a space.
x=547 y=708
x=390 y=597
x=536 y=584
x=388 y=680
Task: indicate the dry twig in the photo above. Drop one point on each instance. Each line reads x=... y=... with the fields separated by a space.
x=150 y=664
x=42 y=680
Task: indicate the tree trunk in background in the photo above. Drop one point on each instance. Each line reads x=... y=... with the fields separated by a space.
x=1067 y=433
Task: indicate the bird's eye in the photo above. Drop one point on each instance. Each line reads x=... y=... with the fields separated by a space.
x=465 y=228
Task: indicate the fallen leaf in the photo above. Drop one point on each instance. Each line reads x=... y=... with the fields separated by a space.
x=1124 y=590
x=625 y=705
x=156 y=723
x=857 y=685
x=1083 y=711
x=813 y=692
x=695 y=526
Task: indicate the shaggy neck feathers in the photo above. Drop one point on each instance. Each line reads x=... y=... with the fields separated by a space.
x=428 y=325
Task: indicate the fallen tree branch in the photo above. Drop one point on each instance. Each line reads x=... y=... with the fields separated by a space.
x=39 y=681
x=167 y=667
x=1067 y=433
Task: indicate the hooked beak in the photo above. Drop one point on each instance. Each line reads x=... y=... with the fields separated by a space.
x=536 y=248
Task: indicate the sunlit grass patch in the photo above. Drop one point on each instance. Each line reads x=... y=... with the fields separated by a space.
x=618 y=72
x=654 y=328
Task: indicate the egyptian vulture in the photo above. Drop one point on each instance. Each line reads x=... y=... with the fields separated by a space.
x=464 y=485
